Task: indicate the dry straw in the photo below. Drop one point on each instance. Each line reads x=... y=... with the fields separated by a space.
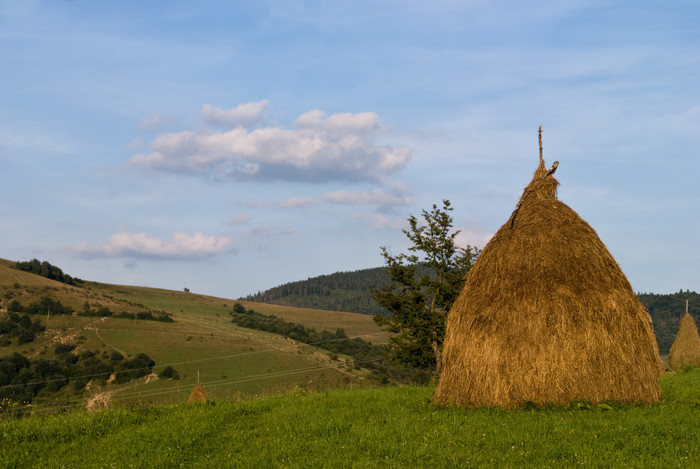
x=198 y=394
x=547 y=316
x=685 y=350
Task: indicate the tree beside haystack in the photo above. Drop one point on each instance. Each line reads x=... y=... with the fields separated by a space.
x=546 y=315
x=685 y=350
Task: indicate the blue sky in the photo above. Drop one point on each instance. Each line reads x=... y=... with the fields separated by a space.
x=229 y=147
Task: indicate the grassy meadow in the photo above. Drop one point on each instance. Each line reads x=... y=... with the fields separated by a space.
x=380 y=427
x=232 y=362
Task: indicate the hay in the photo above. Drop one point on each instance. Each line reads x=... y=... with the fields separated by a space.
x=547 y=316
x=198 y=394
x=685 y=350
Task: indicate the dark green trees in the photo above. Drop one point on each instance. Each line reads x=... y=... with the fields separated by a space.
x=425 y=284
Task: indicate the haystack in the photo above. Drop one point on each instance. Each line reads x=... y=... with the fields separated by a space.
x=547 y=316
x=685 y=350
x=198 y=394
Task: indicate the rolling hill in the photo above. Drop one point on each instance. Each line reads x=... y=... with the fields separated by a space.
x=201 y=341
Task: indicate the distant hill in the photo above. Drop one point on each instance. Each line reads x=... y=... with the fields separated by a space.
x=341 y=291
x=349 y=291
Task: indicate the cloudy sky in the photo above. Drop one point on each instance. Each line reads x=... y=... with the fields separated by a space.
x=229 y=147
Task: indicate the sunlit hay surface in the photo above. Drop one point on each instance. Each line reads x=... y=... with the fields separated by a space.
x=546 y=315
x=685 y=350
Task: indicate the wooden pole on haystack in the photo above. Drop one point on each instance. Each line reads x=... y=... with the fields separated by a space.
x=539 y=134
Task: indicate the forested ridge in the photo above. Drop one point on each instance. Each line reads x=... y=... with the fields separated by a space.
x=341 y=291
x=350 y=292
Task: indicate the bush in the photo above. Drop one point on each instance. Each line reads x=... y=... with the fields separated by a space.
x=60 y=349
x=169 y=372
x=25 y=336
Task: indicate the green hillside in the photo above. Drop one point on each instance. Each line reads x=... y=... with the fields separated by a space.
x=201 y=340
x=382 y=427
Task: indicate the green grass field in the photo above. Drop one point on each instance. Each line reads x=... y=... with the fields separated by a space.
x=385 y=427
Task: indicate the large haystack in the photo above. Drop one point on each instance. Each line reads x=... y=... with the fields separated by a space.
x=547 y=316
x=685 y=350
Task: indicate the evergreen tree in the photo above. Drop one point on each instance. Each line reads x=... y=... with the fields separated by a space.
x=424 y=286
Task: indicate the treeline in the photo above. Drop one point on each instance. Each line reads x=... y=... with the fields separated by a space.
x=364 y=354
x=50 y=307
x=666 y=312
x=336 y=342
x=341 y=291
x=47 y=270
x=22 y=379
x=104 y=311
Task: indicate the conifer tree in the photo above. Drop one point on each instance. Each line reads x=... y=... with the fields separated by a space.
x=424 y=285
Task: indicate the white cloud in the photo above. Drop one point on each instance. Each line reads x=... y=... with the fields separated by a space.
x=244 y=115
x=182 y=246
x=378 y=198
x=473 y=237
x=151 y=122
x=318 y=148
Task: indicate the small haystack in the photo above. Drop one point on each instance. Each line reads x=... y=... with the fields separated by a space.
x=685 y=350
x=547 y=316
x=198 y=394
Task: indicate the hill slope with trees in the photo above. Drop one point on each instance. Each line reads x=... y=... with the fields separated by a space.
x=341 y=291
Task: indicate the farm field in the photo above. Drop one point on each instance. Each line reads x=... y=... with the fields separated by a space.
x=380 y=427
x=233 y=362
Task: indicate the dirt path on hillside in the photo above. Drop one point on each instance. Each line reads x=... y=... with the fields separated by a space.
x=97 y=333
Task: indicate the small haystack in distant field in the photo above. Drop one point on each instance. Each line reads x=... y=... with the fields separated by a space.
x=685 y=350
x=198 y=394
x=546 y=315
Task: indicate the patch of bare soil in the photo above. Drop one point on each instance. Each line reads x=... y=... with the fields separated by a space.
x=99 y=400
x=150 y=378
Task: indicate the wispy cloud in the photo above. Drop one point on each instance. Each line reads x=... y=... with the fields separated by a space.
x=30 y=140
x=291 y=202
x=394 y=197
x=473 y=237
x=318 y=148
x=382 y=222
x=244 y=115
x=240 y=219
x=141 y=245
x=261 y=235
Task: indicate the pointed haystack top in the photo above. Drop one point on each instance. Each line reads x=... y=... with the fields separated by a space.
x=685 y=350
x=546 y=315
